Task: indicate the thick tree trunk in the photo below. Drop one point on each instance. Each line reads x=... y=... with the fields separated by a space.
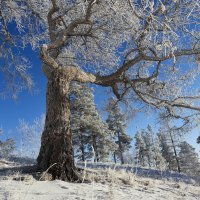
x=56 y=153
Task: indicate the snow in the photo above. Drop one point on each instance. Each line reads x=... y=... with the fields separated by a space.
x=144 y=172
x=105 y=184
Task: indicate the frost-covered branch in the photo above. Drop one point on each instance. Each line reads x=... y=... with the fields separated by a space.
x=139 y=50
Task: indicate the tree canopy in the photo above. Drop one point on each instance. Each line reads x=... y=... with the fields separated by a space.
x=144 y=50
x=139 y=48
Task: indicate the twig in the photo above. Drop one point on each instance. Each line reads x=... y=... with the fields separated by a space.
x=47 y=171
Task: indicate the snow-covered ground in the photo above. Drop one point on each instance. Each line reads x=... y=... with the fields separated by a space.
x=106 y=184
x=144 y=172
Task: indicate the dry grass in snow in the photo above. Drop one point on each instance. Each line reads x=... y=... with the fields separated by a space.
x=105 y=185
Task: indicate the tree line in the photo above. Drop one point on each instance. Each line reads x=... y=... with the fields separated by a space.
x=101 y=141
x=92 y=137
x=165 y=150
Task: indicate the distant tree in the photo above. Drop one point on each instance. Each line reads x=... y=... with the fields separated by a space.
x=129 y=157
x=101 y=141
x=7 y=147
x=170 y=137
x=117 y=124
x=160 y=161
x=30 y=134
x=149 y=149
x=91 y=136
x=189 y=159
x=140 y=150
x=153 y=150
x=147 y=135
x=79 y=121
x=174 y=146
x=166 y=150
x=198 y=140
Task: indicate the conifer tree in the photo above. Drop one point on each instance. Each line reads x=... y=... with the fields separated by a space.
x=198 y=140
x=91 y=136
x=147 y=136
x=100 y=140
x=166 y=151
x=170 y=138
x=79 y=122
x=140 y=150
x=189 y=160
x=117 y=123
x=160 y=161
x=149 y=152
x=153 y=150
x=7 y=147
x=175 y=146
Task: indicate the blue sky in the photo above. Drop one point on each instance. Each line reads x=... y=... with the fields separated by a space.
x=31 y=104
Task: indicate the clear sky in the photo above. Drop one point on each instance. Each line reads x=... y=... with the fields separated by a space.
x=31 y=104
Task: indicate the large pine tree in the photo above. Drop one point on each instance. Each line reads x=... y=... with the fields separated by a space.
x=189 y=159
x=148 y=149
x=170 y=138
x=117 y=123
x=91 y=136
x=140 y=150
x=166 y=151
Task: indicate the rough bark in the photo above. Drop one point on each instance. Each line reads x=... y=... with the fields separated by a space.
x=56 y=153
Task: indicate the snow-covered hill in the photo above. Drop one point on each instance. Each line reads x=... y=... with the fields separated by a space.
x=107 y=182
x=144 y=172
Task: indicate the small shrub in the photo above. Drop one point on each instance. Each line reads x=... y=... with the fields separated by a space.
x=7 y=148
